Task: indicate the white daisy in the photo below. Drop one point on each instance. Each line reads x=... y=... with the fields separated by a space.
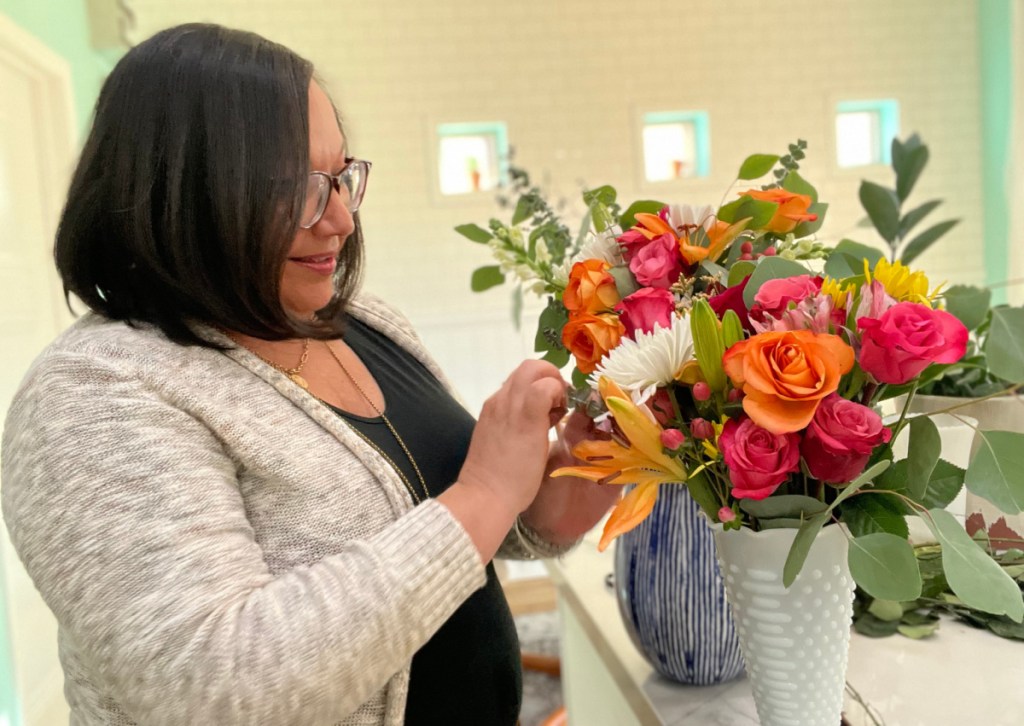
x=681 y=216
x=653 y=358
x=601 y=246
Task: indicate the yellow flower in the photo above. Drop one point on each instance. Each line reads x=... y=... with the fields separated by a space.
x=641 y=461
x=902 y=284
x=836 y=290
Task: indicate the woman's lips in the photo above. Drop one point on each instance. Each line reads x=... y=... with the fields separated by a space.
x=320 y=264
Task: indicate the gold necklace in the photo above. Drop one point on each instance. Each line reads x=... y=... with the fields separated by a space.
x=391 y=428
x=292 y=373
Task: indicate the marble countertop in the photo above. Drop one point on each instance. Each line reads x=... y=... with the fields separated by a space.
x=959 y=676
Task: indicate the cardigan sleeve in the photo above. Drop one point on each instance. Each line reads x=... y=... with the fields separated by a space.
x=126 y=512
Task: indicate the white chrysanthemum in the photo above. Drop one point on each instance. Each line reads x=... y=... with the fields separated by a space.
x=601 y=246
x=653 y=358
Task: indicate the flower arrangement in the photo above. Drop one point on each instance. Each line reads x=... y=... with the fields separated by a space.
x=735 y=354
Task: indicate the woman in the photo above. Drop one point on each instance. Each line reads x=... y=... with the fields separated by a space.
x=244 y=490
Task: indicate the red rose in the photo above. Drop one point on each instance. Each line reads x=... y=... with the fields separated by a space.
x=758 y=460
x=839 y=440
x=732 y=299
x=657 y=264
x=906 y=339
x=645 y=307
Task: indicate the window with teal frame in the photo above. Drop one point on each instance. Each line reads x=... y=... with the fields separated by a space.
x=472 y=157
x=676 y=145
x=864 y=132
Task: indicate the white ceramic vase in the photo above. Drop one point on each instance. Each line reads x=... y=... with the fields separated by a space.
x=794 y=640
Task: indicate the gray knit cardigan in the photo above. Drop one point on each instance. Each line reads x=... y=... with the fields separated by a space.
x=217 y=545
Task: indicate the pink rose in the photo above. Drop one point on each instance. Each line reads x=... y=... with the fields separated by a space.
x=657 y=264
x=840 y=438
x=732 y=299
x=645 y=307
x=758 y=460
x=630 y=242
x=906 y=339
x=774 y=296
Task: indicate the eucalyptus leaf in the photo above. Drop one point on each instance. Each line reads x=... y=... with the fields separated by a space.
x=625 y=282
x=782 y=523
x=867 y=624
x=1006 y=628
x=486 y=277
x=918 y=631
x=926 y=239
x=579 y=378
x=1004 y=346
x=770 y=268
x=884 y=565
x=908 y=169
x=923 y=454
x=758 y=212
x=995 y=470
x=847 y=260
x=806 y=229
x=783 y=505
x=974 y=576
x=644 y=206
x=798 y=185
x=883 y=208
x=866 y=477
x=699 y=488
x=801 y=547
x=739 y=270
x=886 y=609
x=524 y=209
x=552 y=319
x=943 y=486
x=474 y=233
x=558 y=357
x=756 y=166
x=867 y=515
x=968 y=303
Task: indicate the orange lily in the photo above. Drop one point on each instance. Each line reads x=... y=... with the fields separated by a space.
x=719 y=237
x=641 y=462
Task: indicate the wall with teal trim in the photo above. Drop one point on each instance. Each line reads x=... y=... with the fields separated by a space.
x=63 y=25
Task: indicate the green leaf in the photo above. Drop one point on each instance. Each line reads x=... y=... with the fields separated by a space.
x=866 y=477
x=625 y=282
x=708 y=345
x=917 y=632
x=883 y=209
x=579 y=379
x=944 y=485
x=886 y=609
x=867 y=624
x=739 y=270
x=558 y=357
x=552 y=318
x=806 y=229
x=599 y=200
x=770 y=268
x=923 y=454
x=801 y=547
x=798 y=185
x=486 y=277
x=909 y=168
x=926 y=239
x=1006 y=628
x=1004 y=346
x=756 y=166
x=968 y=303
x=995 y=470
x=911 y=218
x=782 y=523
x=847 y=260
x=645 y=206
x=783 y=505
x=701 y=491
x=759 y=212
x=524 y=209
x=867 y=515
x=974 y=576
x=884 y=565
x=474 y=233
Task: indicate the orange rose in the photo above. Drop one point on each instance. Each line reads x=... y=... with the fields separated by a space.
x=791 y=212
x=785 y=375
x=589 y=337
x=591 y=288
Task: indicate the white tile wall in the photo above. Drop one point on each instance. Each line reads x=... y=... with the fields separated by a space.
x=572 y=79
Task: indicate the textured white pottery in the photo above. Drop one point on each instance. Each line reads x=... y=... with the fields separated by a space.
x=794 y=640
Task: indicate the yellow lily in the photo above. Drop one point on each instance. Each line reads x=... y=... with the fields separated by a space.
x=640 y=461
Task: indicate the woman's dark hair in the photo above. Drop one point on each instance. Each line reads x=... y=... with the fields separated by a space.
x=187 y=195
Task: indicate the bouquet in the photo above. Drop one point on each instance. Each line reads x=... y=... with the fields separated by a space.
x=729 y=351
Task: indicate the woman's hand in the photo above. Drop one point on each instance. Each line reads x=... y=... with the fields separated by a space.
x=565 y=508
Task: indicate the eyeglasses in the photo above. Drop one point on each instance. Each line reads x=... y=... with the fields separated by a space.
x=350 y=183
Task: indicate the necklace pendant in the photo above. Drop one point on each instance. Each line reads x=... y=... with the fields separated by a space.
x=299 y=381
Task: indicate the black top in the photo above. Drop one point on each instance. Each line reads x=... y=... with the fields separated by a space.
x=470 y=671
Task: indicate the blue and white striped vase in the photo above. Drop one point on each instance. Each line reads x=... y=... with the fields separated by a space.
x=671 y=594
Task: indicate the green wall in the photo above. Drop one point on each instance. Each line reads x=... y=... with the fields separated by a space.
x=63 y=25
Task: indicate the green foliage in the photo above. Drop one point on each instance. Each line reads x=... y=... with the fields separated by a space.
x=486 y=277
x=770 y=268
x=708 y=345
x=474 y=233
x=995 y=470
x=847 y=259
x=756 y=166
x=1004 y=346
x=969 y=304
x=884 y=565
x=884 y=205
